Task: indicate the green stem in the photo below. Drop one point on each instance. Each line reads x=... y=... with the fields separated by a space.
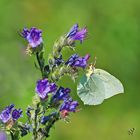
x=50 y=125
x=35 y=123
x=12 y=136
x=40 y=66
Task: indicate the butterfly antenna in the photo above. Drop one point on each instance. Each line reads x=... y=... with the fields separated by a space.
x=94 y=62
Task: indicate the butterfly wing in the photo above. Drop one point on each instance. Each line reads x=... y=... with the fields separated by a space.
x=98 y=86
x=91 y=90
x=112 y=85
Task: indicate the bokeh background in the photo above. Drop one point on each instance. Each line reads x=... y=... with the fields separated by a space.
x=114 y=27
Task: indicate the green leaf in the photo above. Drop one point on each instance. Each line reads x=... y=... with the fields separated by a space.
x=98 y=86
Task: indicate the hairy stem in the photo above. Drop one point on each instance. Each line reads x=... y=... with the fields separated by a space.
x=35 y=123
x=39 y=63
x=48 y=127
x=12 y=136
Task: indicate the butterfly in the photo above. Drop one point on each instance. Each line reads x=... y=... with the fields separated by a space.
x=97 y=85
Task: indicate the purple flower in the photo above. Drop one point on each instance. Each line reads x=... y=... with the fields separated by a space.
x=73 y=106
x=77 y=61
x=58 y=60
x=25 y=32
x=72 y=59
x=10 y=113
x=10 y=107
x=16 y=114
x=45 y=119
x=5 y=116
x=77 y=34
x=33 y=36
x=72 y=31
x=43 y=87
x=6 y=113
x=3 y=136
x=69 y=105
x=80 y=35
x=61 y=94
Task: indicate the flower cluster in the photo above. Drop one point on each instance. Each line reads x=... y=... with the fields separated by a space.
x=64 y=102
x=10 y=113
x=51 y=102
x=61 y=97
x=68 y=105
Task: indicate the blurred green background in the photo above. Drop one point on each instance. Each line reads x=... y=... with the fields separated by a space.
x=114 y=27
